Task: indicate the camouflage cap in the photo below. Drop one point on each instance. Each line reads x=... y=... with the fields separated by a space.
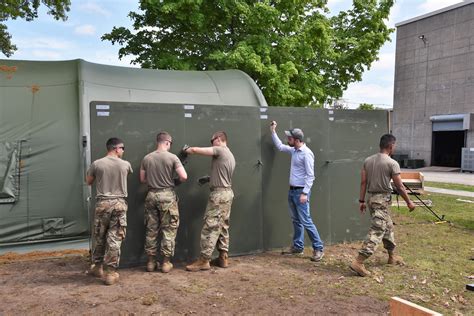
x=296 y=133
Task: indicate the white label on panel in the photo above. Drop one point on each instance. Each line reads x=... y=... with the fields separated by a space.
x=102 y=107
x=103 y=113
x=263 y=110
x=331 y=118
x=188 y=107
x=331 y=112
x=188 y=115
x=263 y=117
x=471 y=149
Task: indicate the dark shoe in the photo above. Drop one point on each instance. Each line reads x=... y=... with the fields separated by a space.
x=293 y=251
x=317 y=255
x=200 y=264
x=358 y=266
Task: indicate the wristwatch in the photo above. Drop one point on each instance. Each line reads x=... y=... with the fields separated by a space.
x=361 y=201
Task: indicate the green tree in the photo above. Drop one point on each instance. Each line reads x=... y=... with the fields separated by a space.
x=295 y=53
x=366 y=106
x=28 y=10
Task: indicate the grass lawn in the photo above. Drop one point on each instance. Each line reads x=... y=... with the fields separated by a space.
x=459 y=213
x=437 y=257
x=450 y=186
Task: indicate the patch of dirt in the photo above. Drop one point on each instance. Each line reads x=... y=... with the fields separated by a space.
x=9 y=257
x=267 y=283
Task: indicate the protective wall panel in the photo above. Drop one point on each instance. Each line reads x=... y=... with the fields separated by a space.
x=243 y=129
x=340 y=141
x=278 y=229
x=353 y=136
x=137 y=124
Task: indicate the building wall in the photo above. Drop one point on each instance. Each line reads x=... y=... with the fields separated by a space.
x=432 y=77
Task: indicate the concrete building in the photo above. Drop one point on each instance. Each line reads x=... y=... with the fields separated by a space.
x=433 y=107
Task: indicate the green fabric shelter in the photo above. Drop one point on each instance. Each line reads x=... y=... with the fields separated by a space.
x=56 y=116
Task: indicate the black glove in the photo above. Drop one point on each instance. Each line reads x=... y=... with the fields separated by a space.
x=182 y=155
x=203 y=180
x=176 y=182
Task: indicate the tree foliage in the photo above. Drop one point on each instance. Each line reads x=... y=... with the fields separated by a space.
x=296 y=54
x=366 y=106
x=28 y=10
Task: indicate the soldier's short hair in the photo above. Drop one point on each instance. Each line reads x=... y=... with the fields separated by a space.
x=387 y=140
x=112 y=143
x=162 y=137
x=221 y=135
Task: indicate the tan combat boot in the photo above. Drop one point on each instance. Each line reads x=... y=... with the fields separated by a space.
x=98 y=270
x=111 y=277
x=394 y=259
x=151 y=264
x=167 y=265
x=222 y=260
x=358 y=266
x=200 y=264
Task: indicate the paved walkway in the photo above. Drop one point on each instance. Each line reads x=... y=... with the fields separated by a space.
x=450 y=192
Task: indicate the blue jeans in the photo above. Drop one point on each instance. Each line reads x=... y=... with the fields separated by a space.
x=301 y=218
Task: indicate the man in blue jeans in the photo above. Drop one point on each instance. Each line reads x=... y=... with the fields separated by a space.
x=301 y=181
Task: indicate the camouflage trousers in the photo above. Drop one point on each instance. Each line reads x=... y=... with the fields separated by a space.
x=381 y=229
x=216 y=222
x=161 y=214
x=110 y=227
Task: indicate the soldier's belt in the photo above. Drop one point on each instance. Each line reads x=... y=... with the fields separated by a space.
x=221 y=189
x=160 y=190
x=109 y=198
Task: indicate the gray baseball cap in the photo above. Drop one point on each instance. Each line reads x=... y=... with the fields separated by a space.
x=296 y=133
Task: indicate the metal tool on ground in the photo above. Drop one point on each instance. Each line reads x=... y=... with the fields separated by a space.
x=440 y=218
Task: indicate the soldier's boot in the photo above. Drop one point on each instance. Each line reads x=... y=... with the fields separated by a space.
x=167 y=265
x=151 y=264
x=394 y=259
x=111 y=277
x=98 y=270
x=200 y=264
x=223 y=259
x=358 y=266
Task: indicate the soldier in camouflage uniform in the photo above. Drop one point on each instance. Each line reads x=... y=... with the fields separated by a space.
x=110 y=222
x=375 y=187
x=161 y=204
x=215 y=232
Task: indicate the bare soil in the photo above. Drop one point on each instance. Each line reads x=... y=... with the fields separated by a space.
x=435 y=276
x=261 y=284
